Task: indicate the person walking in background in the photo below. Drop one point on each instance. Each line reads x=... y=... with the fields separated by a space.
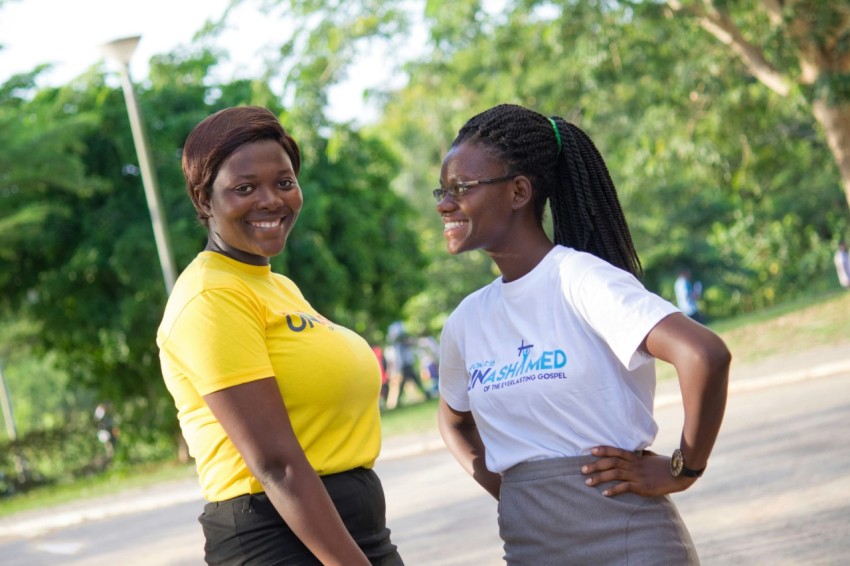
x=402 y=365
x=547 y=375
x=687 y=295
x=385 y=386
x=278 y=405
x=107 y=431
x=429 y=355
x=842 y=265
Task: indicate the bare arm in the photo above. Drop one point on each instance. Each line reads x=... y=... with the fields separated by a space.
x=702 y=364
x=460 y=434
x=248 y=413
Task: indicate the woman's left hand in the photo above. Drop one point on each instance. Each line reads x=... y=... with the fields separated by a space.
x=645 y=473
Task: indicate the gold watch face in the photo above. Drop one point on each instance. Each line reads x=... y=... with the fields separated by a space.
x=677 y=462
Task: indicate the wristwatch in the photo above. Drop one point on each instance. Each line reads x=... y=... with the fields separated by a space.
x=678 y=468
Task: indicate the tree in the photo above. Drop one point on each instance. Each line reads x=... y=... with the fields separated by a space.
x=41 y=175
x=76 y=249
x=354 y=251
x=791 y=46
x=709 y=167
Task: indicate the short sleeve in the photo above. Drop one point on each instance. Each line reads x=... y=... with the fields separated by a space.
x=621 y=311
x=219 y=340
x=454 y=378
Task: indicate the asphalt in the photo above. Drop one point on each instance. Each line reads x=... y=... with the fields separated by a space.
x=815 y=363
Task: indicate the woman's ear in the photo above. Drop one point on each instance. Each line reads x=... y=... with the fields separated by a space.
x=202 y=201
x=521 y=192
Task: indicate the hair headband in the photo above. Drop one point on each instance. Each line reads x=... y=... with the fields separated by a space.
x=557 y=133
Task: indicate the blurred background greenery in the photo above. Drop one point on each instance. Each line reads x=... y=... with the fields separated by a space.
x=725 y=125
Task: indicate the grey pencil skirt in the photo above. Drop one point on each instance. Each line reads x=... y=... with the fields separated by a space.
x=548 y=516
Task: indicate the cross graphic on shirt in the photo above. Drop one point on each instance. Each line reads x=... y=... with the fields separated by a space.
x=523 y=349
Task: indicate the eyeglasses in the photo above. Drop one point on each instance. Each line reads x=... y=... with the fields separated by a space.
x=460 y=189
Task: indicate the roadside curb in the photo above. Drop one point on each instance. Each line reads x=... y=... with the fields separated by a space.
x=419 y=445
x=21 y=526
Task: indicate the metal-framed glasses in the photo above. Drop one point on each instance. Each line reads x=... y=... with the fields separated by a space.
x=460 y=189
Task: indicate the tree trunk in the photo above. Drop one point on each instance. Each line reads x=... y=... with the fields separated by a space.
x=835 y=120
x=819 y=38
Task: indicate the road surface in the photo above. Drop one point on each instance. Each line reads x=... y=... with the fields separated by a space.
x=777 y=491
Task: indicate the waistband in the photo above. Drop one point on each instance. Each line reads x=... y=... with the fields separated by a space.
x=536 y=469
x=261 y=495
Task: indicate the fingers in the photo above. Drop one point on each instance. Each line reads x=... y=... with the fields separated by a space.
x=611 y=451
x=643 y=473
x=618 y=489
x=621 y=477
x=614 y=465
x=610 y=458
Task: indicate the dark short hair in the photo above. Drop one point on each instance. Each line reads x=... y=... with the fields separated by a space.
x=216 y=137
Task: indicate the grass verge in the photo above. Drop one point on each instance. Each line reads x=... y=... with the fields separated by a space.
x=409 y=418
x=789 y=328
x=114 y=480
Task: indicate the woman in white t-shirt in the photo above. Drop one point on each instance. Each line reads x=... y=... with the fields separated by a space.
x=547 y=375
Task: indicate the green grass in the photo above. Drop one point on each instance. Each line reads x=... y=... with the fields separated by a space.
x=792 y=327
x=409 y=418
x=789 y=328
x=114 y=480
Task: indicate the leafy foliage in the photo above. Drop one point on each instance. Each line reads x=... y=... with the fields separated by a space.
x=50 y=455
x=709 y=164
x=715 y=171
x=79 y=260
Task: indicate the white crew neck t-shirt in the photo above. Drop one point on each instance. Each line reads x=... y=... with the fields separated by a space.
x=550 y=364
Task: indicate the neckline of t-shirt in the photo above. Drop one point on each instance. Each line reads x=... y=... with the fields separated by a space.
x=246 y=268
x=520 y=285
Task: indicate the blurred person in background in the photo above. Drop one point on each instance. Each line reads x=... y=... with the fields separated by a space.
x=687 y=295
x=403 y=365
x=385 y=386
x=842 y=265
x=429 y=362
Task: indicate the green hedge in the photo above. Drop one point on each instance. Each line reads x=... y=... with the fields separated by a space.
x=51 y=455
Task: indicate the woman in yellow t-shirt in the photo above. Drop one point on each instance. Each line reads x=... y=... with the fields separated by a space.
x=279 y=406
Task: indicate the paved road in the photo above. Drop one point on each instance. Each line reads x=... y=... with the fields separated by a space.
x=777 y=492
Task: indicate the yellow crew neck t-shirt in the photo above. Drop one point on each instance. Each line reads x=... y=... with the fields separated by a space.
x=228 y=323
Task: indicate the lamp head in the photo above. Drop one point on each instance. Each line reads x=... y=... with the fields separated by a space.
x=121 y=50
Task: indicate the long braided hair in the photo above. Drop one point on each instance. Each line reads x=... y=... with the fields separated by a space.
x=566 y=169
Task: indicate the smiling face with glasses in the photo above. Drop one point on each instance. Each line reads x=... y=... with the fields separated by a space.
x=459 y=189
x=478 y=219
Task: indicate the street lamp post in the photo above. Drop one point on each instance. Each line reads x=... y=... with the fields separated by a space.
x=11 y=431
x=121 y=50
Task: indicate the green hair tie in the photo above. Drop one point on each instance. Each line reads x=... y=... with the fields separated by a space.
x=557 y=134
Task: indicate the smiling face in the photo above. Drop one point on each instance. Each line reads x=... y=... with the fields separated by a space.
x=254 y=203
x=480 y=218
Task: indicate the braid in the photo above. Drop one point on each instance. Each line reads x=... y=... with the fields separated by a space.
x=589 y=216
x=586 y=212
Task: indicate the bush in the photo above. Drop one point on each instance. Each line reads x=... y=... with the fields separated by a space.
x=52 y=455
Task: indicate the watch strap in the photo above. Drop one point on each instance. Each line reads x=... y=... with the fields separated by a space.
x=689 y=473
